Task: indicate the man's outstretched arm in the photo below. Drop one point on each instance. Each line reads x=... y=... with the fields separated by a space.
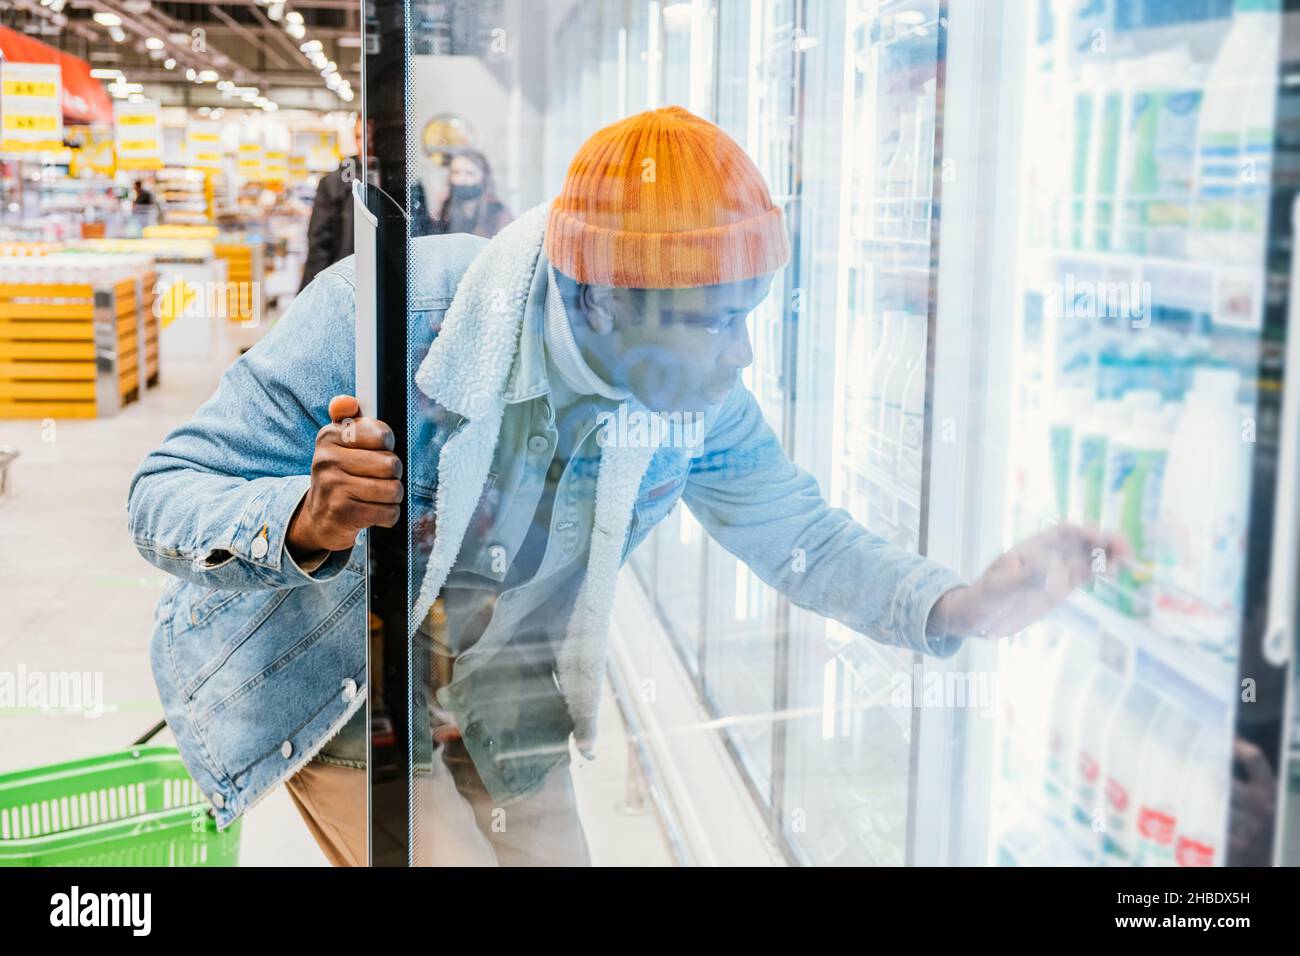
x=770 y=513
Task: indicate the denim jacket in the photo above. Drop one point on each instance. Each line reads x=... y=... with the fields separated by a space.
x=259 y=663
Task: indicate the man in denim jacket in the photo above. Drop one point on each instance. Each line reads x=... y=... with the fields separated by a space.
x=575 y=378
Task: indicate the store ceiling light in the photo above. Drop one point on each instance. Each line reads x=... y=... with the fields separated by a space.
x=118 y=34
x=169 y=64
x=293 y=16
x=311 y=46
x=224 y=85
x=136 y=6
x=154 y=43
x=295 y=30
x=209 y=76
x=108 y=19
x=100 y=73
x=275 y=11
x=190 y=74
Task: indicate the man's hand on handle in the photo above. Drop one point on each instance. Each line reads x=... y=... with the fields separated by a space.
x=356 y=483
x=1024 y=584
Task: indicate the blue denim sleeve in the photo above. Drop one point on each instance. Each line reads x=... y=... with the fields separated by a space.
x=770 y=514
x=213 y=502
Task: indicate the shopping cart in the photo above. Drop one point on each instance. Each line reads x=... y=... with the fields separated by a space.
x=136 y=807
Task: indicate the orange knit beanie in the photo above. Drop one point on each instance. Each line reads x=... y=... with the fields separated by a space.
x=664 y=200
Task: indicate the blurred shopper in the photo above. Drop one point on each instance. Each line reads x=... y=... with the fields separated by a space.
x=585 y=377
x=140 y=196
x=329 y=232
x=471 y=204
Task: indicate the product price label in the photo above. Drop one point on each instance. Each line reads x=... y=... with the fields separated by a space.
x=138 y=135
x=31 y=98
x=203 y=145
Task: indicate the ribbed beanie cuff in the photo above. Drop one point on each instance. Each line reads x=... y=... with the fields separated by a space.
x=667 y=260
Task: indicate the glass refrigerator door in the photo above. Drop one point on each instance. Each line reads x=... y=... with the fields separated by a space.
x=866 y=228
x=1136 y=388
x=744 y=618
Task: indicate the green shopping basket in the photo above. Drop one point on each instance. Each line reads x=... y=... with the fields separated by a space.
x=136 y=807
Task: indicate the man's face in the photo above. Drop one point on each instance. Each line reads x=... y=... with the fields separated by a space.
x=680 y=349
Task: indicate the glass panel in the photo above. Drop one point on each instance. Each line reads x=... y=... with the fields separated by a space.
x=1145 y=356
x=770 y=636
x=868 y=168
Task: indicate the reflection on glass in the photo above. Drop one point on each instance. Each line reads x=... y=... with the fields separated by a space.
x=1133 y=351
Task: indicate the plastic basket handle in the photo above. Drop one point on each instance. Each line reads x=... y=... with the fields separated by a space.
x=150 y=733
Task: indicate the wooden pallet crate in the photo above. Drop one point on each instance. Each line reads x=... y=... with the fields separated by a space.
x=148 y=329
x=243 y=272
x=68 y=350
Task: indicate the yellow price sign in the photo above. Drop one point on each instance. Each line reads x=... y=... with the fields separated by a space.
x=44 y=123
x=137 y=119
x=30 y=88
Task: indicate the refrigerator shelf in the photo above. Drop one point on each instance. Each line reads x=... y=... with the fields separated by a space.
x=876 y=672
x=896 y=253
x=876 y=477
x=1212 y=677
x=1169 y=269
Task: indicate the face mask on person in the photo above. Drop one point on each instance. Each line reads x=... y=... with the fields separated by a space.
x=462 y=193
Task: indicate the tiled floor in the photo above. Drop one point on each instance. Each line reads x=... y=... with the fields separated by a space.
x=78 y=597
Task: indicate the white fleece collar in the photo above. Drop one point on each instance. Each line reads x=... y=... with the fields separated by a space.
x=468 y=371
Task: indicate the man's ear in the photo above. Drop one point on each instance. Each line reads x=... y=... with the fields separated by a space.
x=598 y=307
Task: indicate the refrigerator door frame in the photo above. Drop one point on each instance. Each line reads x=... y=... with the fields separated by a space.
x=385 y=63
x=967 y=349
x=1280 y=634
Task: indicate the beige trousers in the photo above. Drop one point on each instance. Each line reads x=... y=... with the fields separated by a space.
x=457 y=823
x=333 y=804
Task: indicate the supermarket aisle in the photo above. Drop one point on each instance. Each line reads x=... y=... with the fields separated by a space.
x=78 y=597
